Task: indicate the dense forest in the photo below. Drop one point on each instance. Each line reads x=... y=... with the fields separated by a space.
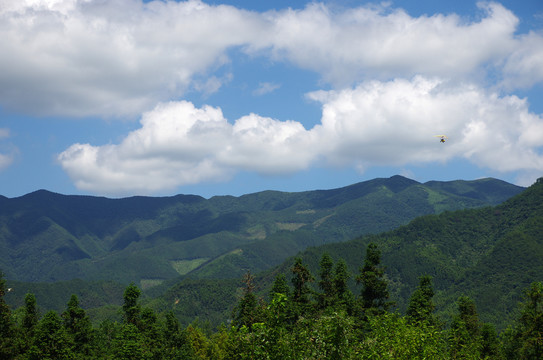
x=293 y=322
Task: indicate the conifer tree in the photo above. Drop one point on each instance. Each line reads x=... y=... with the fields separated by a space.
x=374 y=293
x=131 y=307
x=29 y=321
x=326 y=282
x=300 y=280
x=78 y=325
x=344 y=296
x=248 y=311
x=421 y=307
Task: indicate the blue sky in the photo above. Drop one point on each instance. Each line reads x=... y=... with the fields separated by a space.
x=122 y=98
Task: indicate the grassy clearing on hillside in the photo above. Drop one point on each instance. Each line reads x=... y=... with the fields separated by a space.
x=185 y=266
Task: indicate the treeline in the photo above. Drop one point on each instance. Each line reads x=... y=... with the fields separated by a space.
x=308 y=318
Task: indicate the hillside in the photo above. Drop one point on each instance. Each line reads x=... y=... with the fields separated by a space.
x=490 y=254
x=46 y=237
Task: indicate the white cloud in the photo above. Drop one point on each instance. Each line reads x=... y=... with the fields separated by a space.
x=524 y=67
x=393 y=123
x=374 y=124
x=354 y=44
x=119 y=58
x=111 y=58
x=179 y=144
x=265 y=88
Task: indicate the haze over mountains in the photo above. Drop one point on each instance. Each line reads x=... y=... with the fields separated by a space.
x=47 y=237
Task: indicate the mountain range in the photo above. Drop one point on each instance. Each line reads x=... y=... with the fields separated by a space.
x=47 y=237
x=491 y=254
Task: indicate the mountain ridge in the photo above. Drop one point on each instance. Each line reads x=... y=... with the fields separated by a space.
x=46 y=236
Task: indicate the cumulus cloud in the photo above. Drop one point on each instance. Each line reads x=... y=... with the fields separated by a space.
x=111 y=58
x=179 y=144
x=120 y=58
x=375 y=123
x=524 y=66
x=383 y=42
x=393 y=123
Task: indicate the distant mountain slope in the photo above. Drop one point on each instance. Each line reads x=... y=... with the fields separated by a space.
x=490 y=254
x=50 y=237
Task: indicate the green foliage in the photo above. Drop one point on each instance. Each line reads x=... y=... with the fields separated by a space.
x=374 y=294
x=421 y=306
x=131 y=307
x=393 y=337
x=78 y=326
x=249 y=310
x=30 y=316
x=50 y=340
x=326 y=282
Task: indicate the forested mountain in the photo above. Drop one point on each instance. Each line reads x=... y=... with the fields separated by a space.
x=461 y=284
x=51 y=237
x=490 y=254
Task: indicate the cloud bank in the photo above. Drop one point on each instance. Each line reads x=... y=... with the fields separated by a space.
x=119 y=58
x=393 y=80
x=373 y=124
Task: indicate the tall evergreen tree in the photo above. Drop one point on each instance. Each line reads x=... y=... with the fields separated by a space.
x=300 y=280
x=248 y=311
x=131 y=306
x=344 y=296
x=326 y=282
x=421 y=307
x=29 y=321
x=374 y=293
x=78 y=325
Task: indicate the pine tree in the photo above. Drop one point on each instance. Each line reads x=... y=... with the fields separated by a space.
x=326 y=283
x=248 y=311
x=29 y=321
x=300 y=280
x=344 y=296
x=131 y=307
x=374 y=293
x=421 y=307
x=78 y=325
